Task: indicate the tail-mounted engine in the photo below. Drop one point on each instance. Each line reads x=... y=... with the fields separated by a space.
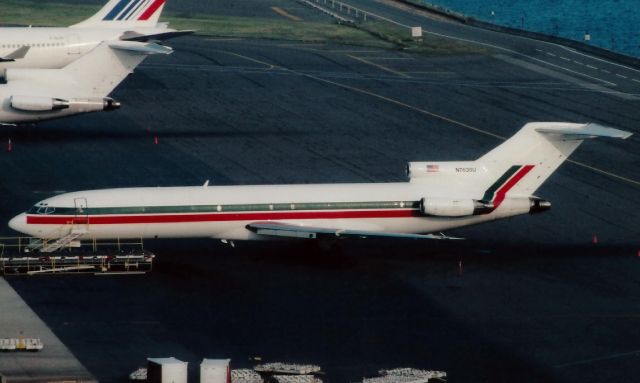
x=445 y=207
x=47 y=104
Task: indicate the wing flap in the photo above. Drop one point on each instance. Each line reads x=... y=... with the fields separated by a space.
x=277 y=229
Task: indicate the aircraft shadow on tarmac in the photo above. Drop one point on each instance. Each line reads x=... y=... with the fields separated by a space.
x=78 y=132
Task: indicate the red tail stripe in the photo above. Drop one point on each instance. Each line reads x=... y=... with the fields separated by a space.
x=151 y=10
x=216 y=217
x=502 y=192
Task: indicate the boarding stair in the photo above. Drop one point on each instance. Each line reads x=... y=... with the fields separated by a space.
x=44 y=246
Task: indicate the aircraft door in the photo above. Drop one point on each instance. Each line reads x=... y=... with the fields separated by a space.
x=81 y=217
x=73 y=45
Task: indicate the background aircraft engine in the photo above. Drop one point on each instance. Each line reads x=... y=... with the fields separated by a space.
x=46 y=104
x=446 y=207
x=37 y=103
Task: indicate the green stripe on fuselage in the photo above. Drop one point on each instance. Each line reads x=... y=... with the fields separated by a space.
x=233 y=208
x=488 y=195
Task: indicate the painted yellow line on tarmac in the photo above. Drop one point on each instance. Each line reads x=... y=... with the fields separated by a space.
x=286 y=14
x=352 y=51
x=429 y=72
x=389 y=58
x=429 y=113
x=384 y=68
x=224 y=39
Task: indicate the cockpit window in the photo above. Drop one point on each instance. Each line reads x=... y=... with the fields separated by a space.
x=41 y=209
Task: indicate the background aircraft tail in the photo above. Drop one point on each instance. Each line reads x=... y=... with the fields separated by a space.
x=115 y=60
x=125 y=13
x=527 y=159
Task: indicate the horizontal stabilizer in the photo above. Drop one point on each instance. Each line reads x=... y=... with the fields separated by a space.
x=590 y=130
x=142 y=48
x=16 y=55
x=135 y=36
x=294 y=231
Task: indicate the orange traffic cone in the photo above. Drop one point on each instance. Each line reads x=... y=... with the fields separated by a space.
x=594 y=240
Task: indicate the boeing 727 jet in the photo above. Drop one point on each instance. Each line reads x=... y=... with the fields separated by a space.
x=439 y=196
x=54 y=48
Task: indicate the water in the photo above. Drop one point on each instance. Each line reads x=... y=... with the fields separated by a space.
x=612 y=24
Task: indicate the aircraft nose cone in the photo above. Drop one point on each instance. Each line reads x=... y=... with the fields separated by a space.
x=19 y=223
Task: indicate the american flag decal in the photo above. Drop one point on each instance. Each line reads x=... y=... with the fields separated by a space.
x=433 y=168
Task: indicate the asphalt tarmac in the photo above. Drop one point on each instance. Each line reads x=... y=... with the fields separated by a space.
x=536 y=301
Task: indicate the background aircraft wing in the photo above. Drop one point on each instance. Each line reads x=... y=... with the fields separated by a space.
x=277 y=229
x=15 y=55
x=136 y=36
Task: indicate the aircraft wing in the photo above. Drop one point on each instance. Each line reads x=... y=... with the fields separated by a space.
x=15 y=55
x=145 y=49
x=135 y=36
x=277 y=229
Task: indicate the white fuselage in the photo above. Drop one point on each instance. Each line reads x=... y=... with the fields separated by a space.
x=225 y=211
x=54 y=48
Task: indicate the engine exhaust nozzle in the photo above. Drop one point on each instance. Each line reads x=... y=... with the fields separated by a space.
x=110 y=104
x=538 y=205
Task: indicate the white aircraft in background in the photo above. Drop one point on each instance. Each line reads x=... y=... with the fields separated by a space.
x=80 y=87
x=438 y=196
x=53 y=48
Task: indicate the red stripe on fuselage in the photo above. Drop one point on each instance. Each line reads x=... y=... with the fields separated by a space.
x=216 y=217
x=502 y=192
x=151 y=10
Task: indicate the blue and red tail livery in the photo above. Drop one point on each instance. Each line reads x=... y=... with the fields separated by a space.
x=133 y=10
x=125 y=13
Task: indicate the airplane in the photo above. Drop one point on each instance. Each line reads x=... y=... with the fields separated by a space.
x=54 y=48
x=82 y=86
x=438 y=196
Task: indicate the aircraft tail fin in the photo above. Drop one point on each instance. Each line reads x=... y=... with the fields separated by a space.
x=536 y=151
x=118 y=58
x=125 y=13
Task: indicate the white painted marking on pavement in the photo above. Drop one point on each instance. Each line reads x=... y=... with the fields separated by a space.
x=596 y=58
x=634 y=353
